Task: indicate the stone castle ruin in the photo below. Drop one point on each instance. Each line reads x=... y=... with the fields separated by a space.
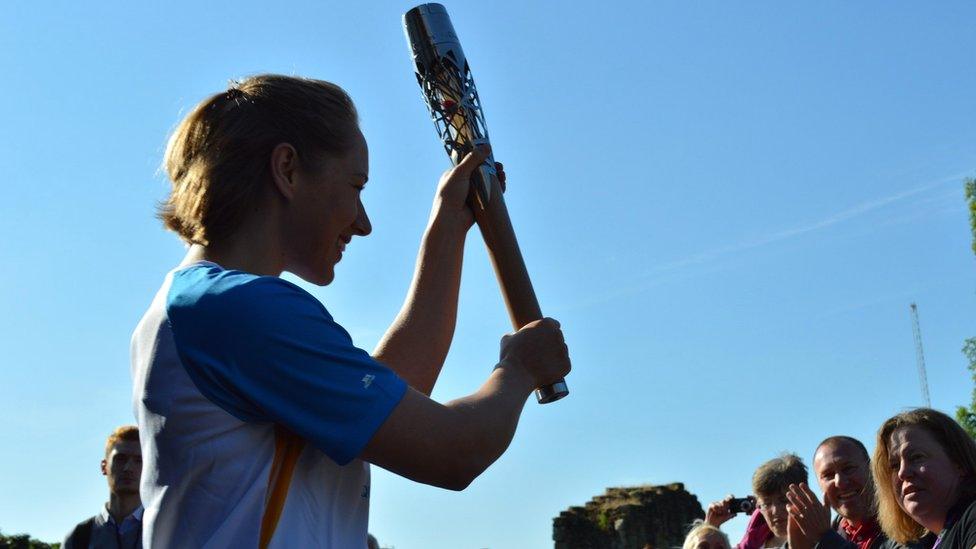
x=640 y=517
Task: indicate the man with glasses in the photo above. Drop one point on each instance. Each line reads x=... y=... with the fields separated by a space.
x=771 y=482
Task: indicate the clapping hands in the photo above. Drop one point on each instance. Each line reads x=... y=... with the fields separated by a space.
x=809 y=518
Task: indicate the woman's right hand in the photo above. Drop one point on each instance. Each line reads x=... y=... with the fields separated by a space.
x=538 y=350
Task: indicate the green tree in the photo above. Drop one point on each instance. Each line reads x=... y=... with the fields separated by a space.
x=970 y=189
x=967 y=416
x=24 y=541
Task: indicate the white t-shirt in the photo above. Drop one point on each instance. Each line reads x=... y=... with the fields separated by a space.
x=218 y=361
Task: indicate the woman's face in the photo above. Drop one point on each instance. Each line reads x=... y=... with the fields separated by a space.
x=773 y=509
x=326 y=212
x=923 y=478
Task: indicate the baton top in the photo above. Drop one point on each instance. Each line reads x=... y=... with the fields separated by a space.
x=448 y=87
x=432 y=38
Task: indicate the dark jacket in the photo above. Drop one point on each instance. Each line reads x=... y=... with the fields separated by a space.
x=100 y=532
x=835 y=538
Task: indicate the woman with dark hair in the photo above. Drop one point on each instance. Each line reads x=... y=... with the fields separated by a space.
x=258 y=413
x=925 y=472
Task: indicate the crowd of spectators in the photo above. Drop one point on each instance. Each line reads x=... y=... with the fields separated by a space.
x=918 y=491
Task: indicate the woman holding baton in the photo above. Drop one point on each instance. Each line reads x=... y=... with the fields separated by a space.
x=258 y=413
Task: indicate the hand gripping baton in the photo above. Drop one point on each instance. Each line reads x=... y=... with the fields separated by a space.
x=451 y=96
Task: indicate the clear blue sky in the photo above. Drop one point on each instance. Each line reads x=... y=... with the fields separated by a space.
x=729 y=207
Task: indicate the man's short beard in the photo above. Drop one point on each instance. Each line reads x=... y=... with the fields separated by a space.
x=870 y=508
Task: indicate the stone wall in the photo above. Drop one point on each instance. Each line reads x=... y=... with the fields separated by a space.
x=629 y=518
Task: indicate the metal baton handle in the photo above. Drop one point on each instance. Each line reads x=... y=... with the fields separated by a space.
x=452 y=98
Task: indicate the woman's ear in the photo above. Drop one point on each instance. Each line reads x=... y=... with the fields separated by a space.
x=284 y=164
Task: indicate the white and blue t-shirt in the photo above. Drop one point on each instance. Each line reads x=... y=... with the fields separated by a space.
x=220 y=358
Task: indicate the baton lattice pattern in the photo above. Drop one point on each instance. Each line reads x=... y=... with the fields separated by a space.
x=454 y=106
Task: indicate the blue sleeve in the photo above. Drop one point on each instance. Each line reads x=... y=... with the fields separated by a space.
x=263 y=349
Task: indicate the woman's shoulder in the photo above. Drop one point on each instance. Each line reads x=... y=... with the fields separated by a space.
x=208 y=291
x=968 y=517
x=925 y=542
x=962 y=533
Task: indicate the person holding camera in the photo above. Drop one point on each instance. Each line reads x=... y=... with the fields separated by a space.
x=768 y=524
x=757 y=531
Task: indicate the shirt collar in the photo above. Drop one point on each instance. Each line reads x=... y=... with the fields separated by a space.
x=862 y=533
x=107 y=517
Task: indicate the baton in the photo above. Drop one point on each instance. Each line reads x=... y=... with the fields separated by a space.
x=452 y=98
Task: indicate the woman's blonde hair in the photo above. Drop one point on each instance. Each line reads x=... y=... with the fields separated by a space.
x=700 y=529
x=218 y=158
x=956 y=443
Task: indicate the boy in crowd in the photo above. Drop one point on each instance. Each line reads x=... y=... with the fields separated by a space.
x=119 y=524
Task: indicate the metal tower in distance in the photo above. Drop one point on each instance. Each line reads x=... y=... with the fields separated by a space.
x=920 y=357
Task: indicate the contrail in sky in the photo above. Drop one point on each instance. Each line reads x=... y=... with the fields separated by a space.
x=799 y=230
x=660 y=273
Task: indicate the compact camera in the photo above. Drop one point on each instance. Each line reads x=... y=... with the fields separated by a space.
x=743 y=505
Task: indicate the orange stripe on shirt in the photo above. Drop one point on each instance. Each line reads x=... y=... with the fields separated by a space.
x=288 y=447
